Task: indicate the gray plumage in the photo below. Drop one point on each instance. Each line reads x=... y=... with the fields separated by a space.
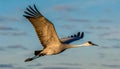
x=47 y=35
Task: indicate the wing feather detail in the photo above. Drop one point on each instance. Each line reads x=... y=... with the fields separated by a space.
x=43 y=27
x=72 y=38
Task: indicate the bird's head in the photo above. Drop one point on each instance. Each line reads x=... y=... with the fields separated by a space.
x=89 y=43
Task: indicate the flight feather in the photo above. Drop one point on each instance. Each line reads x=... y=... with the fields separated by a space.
x=72 y=38
x=43 y=27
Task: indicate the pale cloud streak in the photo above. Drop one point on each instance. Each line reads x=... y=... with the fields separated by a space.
x=88 y=4
x=8 y=19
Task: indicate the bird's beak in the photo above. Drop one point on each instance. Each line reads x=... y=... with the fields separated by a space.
x=95 y=45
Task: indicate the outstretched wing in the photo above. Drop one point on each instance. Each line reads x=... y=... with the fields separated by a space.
x=43 y=27
x=72 y=38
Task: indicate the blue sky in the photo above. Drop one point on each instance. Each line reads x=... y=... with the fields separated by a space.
x=90 y=7
x=66 y=14
x=99 y=19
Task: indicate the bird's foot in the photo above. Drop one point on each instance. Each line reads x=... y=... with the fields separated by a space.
x=28 y=59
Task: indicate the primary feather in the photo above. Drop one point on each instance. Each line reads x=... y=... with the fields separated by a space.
x=43 y=27
x=72 y=38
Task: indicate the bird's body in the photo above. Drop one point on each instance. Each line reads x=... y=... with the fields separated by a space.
x=53 y=51
x=48 y=37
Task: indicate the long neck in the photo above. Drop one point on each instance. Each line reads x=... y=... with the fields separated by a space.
x=74 y=46
x=80 y=45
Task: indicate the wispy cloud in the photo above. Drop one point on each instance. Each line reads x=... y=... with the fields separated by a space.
x=105 y=47
x=38 y=64
x=10 y=66
x=64 y=8
x=116 y=46
x=78 y=20
x=105 y=21
x=88 y=20
x=10 y=30
x=13 y=33
x=93 y=3
x=67 y=26
x=4 y=28
x=8 y=19
x=99 y=27
x=59 y=68
x=110 y=47
x=111 y=65
x=1 y=49
x=15 y=47
x=69 y=64
x=114 y=35
x=18 y=33
x=101 y=55
x=6 y=66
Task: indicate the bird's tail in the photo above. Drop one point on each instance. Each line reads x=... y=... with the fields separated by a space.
x=37 y=52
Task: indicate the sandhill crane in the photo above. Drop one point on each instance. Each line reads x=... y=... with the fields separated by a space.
x=47 y=35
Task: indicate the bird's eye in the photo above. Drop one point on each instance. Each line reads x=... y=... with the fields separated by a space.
x=89 y=42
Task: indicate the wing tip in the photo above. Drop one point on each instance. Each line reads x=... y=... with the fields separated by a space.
x=26 y=16
x=78 y=35
x=32 y=12
x=82 y=35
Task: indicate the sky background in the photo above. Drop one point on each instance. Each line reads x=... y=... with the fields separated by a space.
x=99 y=19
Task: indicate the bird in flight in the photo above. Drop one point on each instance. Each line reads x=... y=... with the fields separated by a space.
x=48 y=37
